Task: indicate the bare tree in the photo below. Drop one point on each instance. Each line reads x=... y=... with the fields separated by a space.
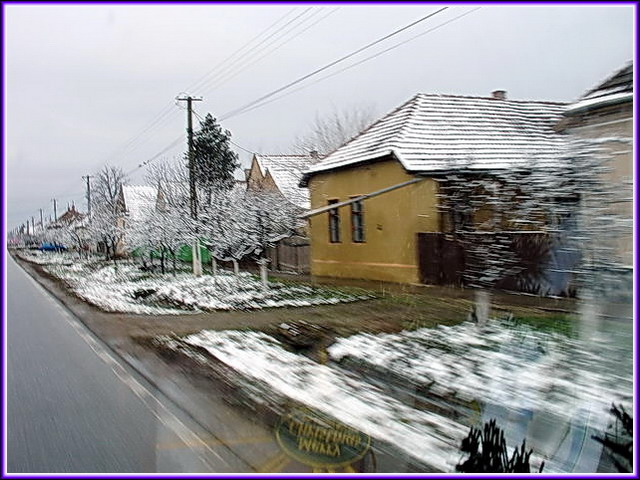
x=107 y=186
x=328 y=132
x=104 y=226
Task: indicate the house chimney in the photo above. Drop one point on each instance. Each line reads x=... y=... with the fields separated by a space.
x=499 y=94
x=314 y=154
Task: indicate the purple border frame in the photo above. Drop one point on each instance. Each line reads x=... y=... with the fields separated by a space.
x=3 y=232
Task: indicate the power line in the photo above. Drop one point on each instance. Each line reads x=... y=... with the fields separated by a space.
x=329 y=65
x=201 y=120
x=254 y=57
x=165 y=118
x=167 y=112
x=349 y=67
x=154 y=157
x=241 y=147
x=218 y=71
x=256 y=104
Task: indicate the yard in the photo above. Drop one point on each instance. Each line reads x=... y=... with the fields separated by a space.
x=127 y=288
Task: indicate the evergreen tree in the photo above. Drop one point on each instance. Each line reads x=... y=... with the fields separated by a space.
x=215 y=162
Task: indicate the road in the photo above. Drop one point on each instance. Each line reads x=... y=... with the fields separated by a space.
x=73 y=406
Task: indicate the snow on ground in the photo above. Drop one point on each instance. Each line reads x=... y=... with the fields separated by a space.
x=424 y=435
x=130 y=290
x=515 y=366
x=47 y=258
x=501 y=365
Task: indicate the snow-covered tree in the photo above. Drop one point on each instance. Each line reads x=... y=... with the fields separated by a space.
x=169 y=226
x=106 y=186
x=231 y=223
x=105 y=224
x=554 y=209
x=106 y=228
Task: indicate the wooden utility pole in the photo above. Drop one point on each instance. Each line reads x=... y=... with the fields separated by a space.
x=193 y=197
x=193 y=194
x=88 y=178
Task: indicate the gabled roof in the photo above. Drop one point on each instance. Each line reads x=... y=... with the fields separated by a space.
x=286 y=171
x=618 y=88
x=139 y=200
x=69 y=218
x=432 y=133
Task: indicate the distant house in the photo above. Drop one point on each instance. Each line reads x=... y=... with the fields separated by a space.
x=376 y=201
x=282 y=174
x=605 y=114
x=69 y=217
x=74 y=223
x=134 y=204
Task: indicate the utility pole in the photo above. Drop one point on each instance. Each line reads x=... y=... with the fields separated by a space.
x=193 y=198
x=193 y=195
x=55 y=210
x=88 y=178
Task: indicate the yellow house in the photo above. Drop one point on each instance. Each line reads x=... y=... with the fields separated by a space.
x=375 y=201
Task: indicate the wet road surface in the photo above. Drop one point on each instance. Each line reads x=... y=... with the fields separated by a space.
x=72 y=406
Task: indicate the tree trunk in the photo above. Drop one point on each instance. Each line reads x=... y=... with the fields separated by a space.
x=264 y=278
x=214 y=266
x=236 y=267
x=482 y=306
x=115 y=260
x=196 y=259
x=162 y=254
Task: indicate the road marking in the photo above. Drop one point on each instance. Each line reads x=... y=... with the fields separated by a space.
x=183 y=432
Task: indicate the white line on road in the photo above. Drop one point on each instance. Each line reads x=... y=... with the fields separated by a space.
x=184 y=433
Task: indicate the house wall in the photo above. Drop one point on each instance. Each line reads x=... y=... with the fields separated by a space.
x=614 y=122
x=391 y=221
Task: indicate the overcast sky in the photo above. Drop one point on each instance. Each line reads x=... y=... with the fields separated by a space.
x=82 y=82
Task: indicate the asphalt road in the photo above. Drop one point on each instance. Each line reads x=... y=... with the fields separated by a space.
x=73 y=406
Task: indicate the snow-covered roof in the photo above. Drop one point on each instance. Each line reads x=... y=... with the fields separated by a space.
x=432 y=133
x=618 y=88
x=69 y=217
x=139 y=200
x=286 y=171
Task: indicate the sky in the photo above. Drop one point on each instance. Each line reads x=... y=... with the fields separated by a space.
x=91 y=85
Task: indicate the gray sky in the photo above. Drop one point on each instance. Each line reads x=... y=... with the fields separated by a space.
x=82 y=81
